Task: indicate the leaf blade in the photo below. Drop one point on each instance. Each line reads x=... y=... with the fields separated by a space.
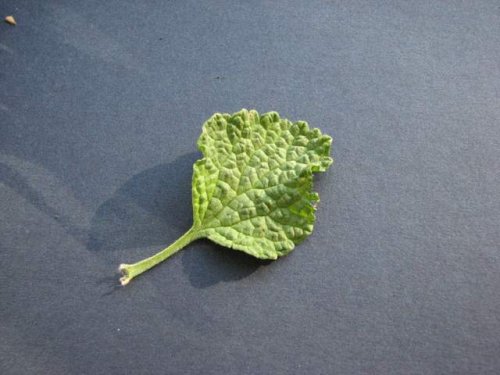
x=258 y=182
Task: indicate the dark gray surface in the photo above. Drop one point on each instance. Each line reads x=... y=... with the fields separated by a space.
x=100 y=107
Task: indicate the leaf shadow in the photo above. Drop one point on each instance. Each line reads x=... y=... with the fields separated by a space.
x=208 y=264
x=150 y=209
x=153 y=208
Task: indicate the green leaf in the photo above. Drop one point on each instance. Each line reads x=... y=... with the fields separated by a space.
x=252 y=191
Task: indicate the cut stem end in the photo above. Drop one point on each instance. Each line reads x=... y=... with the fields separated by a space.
x=125 y=279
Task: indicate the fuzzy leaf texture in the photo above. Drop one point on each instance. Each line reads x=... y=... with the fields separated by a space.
x=252 y=190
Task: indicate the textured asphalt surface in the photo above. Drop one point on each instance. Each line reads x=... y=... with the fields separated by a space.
x=101 y=104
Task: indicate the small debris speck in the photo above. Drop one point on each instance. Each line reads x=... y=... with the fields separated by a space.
x=10 y=20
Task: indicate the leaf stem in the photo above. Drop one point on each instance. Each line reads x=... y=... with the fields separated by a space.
x=129 y=271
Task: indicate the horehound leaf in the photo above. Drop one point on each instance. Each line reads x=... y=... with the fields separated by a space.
x=252 y=191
